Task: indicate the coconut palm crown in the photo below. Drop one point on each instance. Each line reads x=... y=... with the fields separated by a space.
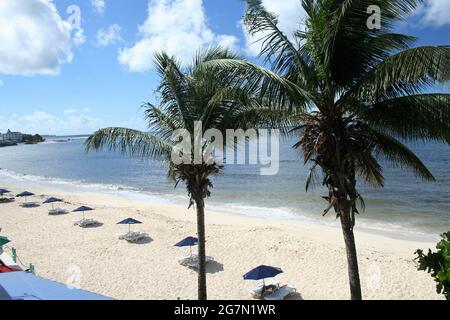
x=188 y=95
x=361 y=95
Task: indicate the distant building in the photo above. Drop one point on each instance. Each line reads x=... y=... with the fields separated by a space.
x=11 y=136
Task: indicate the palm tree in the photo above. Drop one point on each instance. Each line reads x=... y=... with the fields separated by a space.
x=219 y=100
x=360 y=96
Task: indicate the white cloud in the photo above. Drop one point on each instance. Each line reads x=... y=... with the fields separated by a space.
x=436 y=12
x=291 y=17
x=79 y=38
x=73 y=110
x=178 y=27
x=34 y=38
x=109 y=36
x=99 y=5
x=45 y=123
x=228 y=41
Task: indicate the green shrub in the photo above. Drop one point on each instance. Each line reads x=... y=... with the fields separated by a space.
x=438 y=264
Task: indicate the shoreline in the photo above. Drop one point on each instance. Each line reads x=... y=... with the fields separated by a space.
x=72 y=187
x=312 y=255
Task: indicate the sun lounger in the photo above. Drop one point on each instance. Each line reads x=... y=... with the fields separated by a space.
x=6 y=200
x=5 y=269
x=86 y=222
x=191 y=261
x=281 y=293
x=29 y=204
x=57 y=211
x=261 y=290
x=134 y=237
x=194 y=263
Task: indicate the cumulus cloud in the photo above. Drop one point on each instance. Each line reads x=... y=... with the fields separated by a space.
x=45 y=123
x=290 y=18
x=34 y=38
x=73 y=110
x=109 y=36
x=436 y=12
x=77 y=122
x=178 y=27
x=99 y=5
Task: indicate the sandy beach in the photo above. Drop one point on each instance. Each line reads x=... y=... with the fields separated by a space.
x=312 y=256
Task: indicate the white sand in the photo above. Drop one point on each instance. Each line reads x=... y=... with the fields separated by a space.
x=312 y=256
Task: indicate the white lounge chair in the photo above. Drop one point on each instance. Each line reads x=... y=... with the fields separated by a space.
x=86 y=222
x=134 y=236
x=29 y=204
x=57 y=211
x=6 y=200
x=191 y=261
x=282 y=293
x=262 y=290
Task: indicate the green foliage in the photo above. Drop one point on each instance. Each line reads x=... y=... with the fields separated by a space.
x=438 y=264
x=29 y=138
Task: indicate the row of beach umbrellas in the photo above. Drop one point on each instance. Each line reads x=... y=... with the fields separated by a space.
x=83 y=209
x=259 y=273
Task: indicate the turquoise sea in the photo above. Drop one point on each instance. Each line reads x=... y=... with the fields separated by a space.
x=406 y=206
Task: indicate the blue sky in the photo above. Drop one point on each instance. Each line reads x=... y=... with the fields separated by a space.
x=57 y=77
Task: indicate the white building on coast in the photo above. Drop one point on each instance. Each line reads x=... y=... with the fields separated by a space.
x=9 y=136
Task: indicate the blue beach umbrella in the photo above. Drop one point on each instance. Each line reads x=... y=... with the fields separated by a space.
x=52 y=201
x=25 y=194
x=129 y=222
x=83 y=209
x=188 y=242
x=262 y=272
x=3 y=191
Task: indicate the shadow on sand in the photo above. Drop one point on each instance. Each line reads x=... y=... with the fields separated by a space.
x=93 y=226
x=295 y=296
x=142 y=241
x=214 y=267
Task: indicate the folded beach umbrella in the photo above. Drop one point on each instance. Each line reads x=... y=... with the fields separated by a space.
x=188 y=242
x=52 y=201
x=3 y=191
x=262 y=272
x=129 y=222
x=83 y=209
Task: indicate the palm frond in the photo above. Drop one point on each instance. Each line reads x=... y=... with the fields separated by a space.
x=129 y=141
x=412 y=118
x=278 y=90
x=406 y=73
x=277 y=49
x=398 y=154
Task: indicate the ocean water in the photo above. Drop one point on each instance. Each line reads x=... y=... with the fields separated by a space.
x=406 y=206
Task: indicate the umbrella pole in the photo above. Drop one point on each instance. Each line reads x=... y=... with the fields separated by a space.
x=190 y=248
x=129 y=228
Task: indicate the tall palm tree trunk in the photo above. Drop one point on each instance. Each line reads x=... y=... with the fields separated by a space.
x=200 y=204
x=352 y=259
